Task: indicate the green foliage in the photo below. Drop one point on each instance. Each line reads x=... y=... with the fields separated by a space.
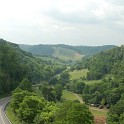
x=38 y=49
x=18 y=97
x=73 y=113
x=16 y=64
x=53 y=80
x=51 y=93
x=98 y=112
x=64 y=78
x=44 y=117
x=48 y=92
x=111 y=61
x=109 y=90
x=10 y=68
x=116 y=113
x=67 y=50
x=76 y=86
x=106 y=62
x=30 y=107
x=108 y=68
x=25 y=85
x=66 y=95
x=91 y=82
x=47 y=116
x=11 y=115
x=58 y=90
x=66 y=54
x=77 y=74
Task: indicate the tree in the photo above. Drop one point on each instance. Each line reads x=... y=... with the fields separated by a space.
x=48 y=91
x=80 y=86
x=53 y=81
x=25 y=85
x=73 y=113
x=116 y=113
x=58 y=90
x=30 y=107
x=47 y=115
x=9 y=66
x=18 y=97
x=64 y=78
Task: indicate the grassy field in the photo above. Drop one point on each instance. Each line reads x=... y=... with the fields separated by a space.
x=92 y=82
x=68 y=95
x=66 y=54
x=77 y=74
x=98 y=112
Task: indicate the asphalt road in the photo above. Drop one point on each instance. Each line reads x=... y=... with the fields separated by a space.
x=3 y=103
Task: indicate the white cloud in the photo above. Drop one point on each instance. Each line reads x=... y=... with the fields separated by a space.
x=66 y=21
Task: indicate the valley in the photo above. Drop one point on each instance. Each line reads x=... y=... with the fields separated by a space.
x=62 y=84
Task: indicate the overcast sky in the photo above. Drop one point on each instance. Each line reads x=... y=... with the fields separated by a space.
x=73 y=22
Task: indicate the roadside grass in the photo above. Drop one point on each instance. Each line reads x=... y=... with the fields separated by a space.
x=2 y=96
x=14 y=119
x=77 y=74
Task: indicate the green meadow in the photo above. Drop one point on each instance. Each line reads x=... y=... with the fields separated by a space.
x=77 y=74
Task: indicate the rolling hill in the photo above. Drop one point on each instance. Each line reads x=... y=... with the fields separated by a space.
x=16 y=64
x=65 y=52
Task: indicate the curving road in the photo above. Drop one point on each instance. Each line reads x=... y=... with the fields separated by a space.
x=3 y=117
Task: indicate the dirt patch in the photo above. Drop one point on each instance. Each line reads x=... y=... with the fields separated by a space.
x=100 y=120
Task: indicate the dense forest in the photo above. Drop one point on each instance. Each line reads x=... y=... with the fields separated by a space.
x=108 y=67
x=16 y=64
x=20 y=69
x=108 y=62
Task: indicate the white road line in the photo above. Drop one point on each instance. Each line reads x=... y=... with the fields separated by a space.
x=7 y=116
x=1 y=115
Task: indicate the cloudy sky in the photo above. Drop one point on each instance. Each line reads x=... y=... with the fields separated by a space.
x=73 y=22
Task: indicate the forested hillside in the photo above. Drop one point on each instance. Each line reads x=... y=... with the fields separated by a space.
x=88 y=50
x=16 y=64
x=108 y=62
x=65 y=52
x=20 y=69
x=108 y=68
